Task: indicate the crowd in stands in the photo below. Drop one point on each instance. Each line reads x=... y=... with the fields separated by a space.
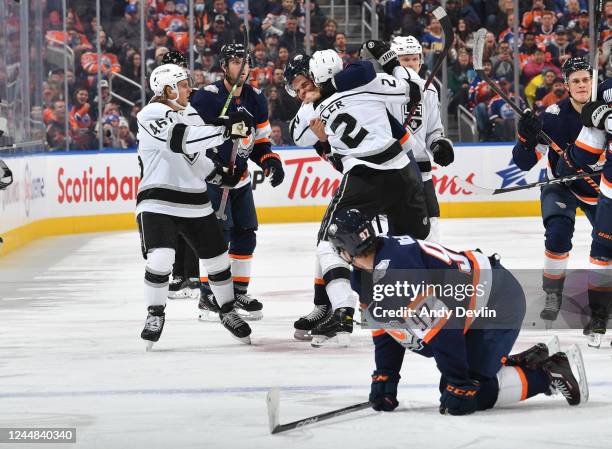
x=550 y=31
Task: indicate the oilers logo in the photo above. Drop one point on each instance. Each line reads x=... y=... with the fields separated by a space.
x=416 y=122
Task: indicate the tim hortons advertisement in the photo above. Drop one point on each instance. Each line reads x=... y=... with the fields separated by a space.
x=59 y=185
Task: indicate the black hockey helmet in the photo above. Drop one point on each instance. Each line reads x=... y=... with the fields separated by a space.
x=233 y=51
x=174 y=57
x=299 y=65
x=574 y=65
x=351 y=232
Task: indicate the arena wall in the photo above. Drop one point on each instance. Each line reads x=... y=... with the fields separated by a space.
x=90 y=191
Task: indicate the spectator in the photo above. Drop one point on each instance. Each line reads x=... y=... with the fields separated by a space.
x=199 y=80
x=503 y=65
x=508 y=34
x=414 y=20
x=127 y=31
x=277 y=19
x=571 y=14
x=536 y=65
x=490 y=46
x=544 y=32
x=538 y=87
x=292 y=38
x=469 y=14
x=109 y=63
x=125 y=138
x=458 y=81
x=501 y=115
x=499 y=21
x=558 y=93
x=327 y=38
x=229 y=17
x=79 y=114
x=533 y=17
x=342 y=49
x=171 y=19
x=209 y=67
x=56 y=127
x=527 y=49
x=317 y=18
x=219 y=34
x=106 y=43
x=283 y=57
x=261 y=73
x=276 y=136
x=432 y=42
x=560 y=49
x=160 y=40
x=271 y=42
x=199 y=44
x=480 y=91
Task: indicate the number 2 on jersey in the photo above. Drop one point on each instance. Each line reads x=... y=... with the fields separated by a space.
x=351 y=124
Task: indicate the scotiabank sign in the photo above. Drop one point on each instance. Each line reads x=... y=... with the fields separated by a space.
x=95 y=185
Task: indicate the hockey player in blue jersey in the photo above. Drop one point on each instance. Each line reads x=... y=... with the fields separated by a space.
x=592 y=149
x=241 y=222
x=468 y=350
x=561 y=121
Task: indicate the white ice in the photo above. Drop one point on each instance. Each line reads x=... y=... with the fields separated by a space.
x=71 y=313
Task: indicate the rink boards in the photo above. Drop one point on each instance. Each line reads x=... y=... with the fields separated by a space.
x=87 y=191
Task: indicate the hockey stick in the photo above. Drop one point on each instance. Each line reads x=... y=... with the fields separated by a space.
x=449 y=37
x=462 y=183
x=224 y=196
x=479 y=43
x=595 y=64
x=273 y=410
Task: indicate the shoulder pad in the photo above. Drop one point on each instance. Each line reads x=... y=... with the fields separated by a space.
x=212 y=88
x=153 y=111
x=553 y=109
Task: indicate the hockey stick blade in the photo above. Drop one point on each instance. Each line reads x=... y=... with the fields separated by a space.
x=485 y=191
x=273 y=412
x=479 y=41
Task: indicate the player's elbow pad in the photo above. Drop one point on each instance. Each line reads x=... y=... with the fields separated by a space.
x=176 y=138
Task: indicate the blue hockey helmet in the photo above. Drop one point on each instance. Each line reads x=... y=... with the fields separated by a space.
x=574 y=65
x=299 y=65
x=351 y=232
x=234 y=51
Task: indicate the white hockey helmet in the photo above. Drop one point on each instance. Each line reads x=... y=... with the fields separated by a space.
x=324 y=64
x=167 y=75
x=406 y=45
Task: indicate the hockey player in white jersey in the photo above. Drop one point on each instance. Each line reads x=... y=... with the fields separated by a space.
x=378 y=176
x=172 y=197
x=427 y=139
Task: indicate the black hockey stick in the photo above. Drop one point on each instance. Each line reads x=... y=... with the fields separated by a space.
x=449 y=37
x=221 y=212
x=595 y=64
x=479 y=43
x=273 y=409
x=485 y=191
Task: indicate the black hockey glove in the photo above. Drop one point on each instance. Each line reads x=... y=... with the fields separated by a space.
x=594 y=114
x=443 y=153
x=383 y=391
x=459 y=397
x=381 y=52
x=237 y=124
x=272 y=167
x=6 y=175
x=415 y=95
x=323 y=149
x=528 y=128
x=223 y=176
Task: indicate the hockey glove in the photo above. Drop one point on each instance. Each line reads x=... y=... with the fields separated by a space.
x=443 y=153
x=237 y=124
x=323 y=149
x=529 y=127
x=380 y=52
x=272 y=167
x=415 y=95
x=223 y=176
x=383 y=391
x=459 y=397
x=594 y=114
x=6 y=176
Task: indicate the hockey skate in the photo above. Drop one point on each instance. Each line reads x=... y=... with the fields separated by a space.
x=594 y=330
x=551 y=309
x=208 y=308
x=335 y=330
x=154 y=325
x=534 y=357
x=232 y=321
x=249 y=308
x=184 y=288
x=304 y=325
x=567 y=375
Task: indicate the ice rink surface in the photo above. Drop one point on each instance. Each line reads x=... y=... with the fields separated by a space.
x=71 y=356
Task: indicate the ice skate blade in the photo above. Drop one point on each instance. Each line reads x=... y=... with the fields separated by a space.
x=250 y=316
x=574 y=355
x=594 y=341
x=246 y=340
x=302 y=335
x=208 y=317
x=553 y=345
x=180 y=294
x=149 y=347
x=340 y=340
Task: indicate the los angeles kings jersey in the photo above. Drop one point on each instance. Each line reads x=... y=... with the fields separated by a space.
x=173 y=162
x=358 y=125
